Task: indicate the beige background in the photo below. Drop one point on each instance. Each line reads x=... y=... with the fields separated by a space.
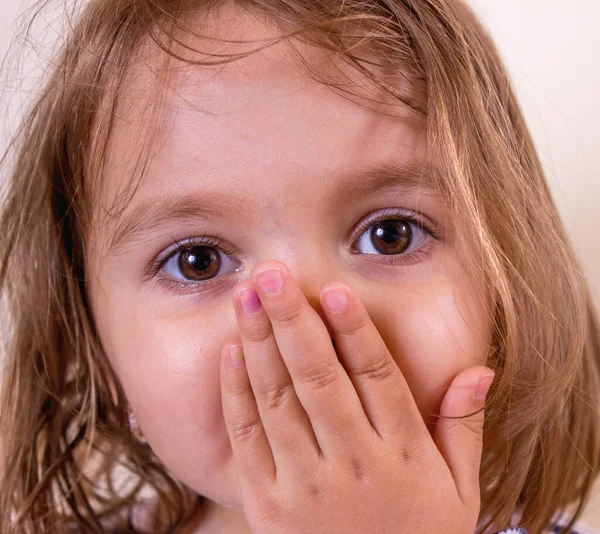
x=552 y=50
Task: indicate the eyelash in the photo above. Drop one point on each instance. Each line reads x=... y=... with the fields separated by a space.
x=393 y=259
x=395 y=213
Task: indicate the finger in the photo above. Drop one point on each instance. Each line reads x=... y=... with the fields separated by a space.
x=251 y=448
x=383 y=391
x=321 y=383
x=459 y=439
x=286 y=424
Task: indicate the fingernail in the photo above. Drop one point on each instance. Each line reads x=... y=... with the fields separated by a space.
x=250 y=300
x=237 y=355
x=483 y=385
x=270 y=281
x=336 y=299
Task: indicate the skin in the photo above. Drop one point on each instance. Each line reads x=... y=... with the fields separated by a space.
x=261 y=131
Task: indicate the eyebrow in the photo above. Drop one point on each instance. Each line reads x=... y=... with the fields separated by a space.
x=213 y=206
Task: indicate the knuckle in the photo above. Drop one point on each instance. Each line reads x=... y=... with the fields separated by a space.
x=259 y=335
x=276 y=395
x=319 y=376
x=245 y=430
x=353 y=327
x=238 y=389
x=270 y=512
x=471 y=428
x=361 y=462
x=289 y=314
x=360 y=468
x=379 y=367
x=315 y=491
x=412 y=449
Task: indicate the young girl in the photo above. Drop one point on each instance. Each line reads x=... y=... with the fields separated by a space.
x=263 y=262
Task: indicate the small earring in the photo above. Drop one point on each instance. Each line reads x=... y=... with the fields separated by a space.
x=134 y=427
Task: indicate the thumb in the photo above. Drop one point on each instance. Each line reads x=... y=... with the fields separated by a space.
x=460 y=440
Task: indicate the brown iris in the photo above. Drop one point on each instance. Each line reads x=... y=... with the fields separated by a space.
x=199 y=263
x=391 y=236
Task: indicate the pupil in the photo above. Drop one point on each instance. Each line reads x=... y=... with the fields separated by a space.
x=392 y=237
x=196 y=258
x=198 y=263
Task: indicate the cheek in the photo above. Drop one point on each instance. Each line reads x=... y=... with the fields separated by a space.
x=168 y=365
x=434 y=332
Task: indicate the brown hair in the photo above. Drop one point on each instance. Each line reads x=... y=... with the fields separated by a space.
x=63 y=418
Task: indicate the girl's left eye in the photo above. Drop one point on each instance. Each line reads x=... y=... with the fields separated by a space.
x=392 y=237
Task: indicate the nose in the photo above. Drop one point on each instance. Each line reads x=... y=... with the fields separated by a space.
x=311 y=279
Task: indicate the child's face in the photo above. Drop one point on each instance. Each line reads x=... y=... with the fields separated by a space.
x=288 y=160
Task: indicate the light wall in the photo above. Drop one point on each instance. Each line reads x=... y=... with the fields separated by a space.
x=552 y=49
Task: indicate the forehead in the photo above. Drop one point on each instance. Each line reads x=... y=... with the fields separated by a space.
x=258 y=126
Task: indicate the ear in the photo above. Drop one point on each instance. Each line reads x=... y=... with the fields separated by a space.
x=134 y=427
